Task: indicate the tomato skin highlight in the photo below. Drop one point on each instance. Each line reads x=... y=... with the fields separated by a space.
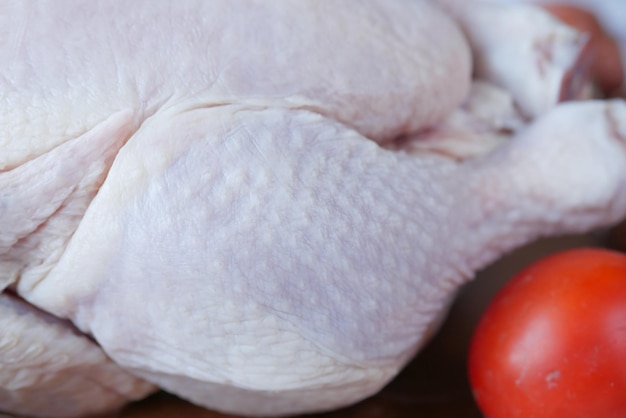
x=552 y=343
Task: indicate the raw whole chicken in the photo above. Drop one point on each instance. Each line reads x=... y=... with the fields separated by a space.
x=265 y=207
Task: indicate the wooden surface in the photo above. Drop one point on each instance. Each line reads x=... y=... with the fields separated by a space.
x=434 y=385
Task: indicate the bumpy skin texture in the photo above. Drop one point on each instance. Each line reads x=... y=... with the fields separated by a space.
x=250 y=235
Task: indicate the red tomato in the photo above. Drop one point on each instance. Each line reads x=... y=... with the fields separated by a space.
x=552 y=343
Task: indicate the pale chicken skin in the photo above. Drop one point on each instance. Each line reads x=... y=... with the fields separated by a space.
x=609 y=14
x=230 y=201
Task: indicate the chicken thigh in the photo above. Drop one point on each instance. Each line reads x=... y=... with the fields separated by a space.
x=224 y=196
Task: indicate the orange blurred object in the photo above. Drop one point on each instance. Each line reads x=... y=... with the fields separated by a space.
x=606 y=63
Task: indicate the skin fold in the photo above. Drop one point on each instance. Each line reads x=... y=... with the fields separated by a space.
x=266 y=207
